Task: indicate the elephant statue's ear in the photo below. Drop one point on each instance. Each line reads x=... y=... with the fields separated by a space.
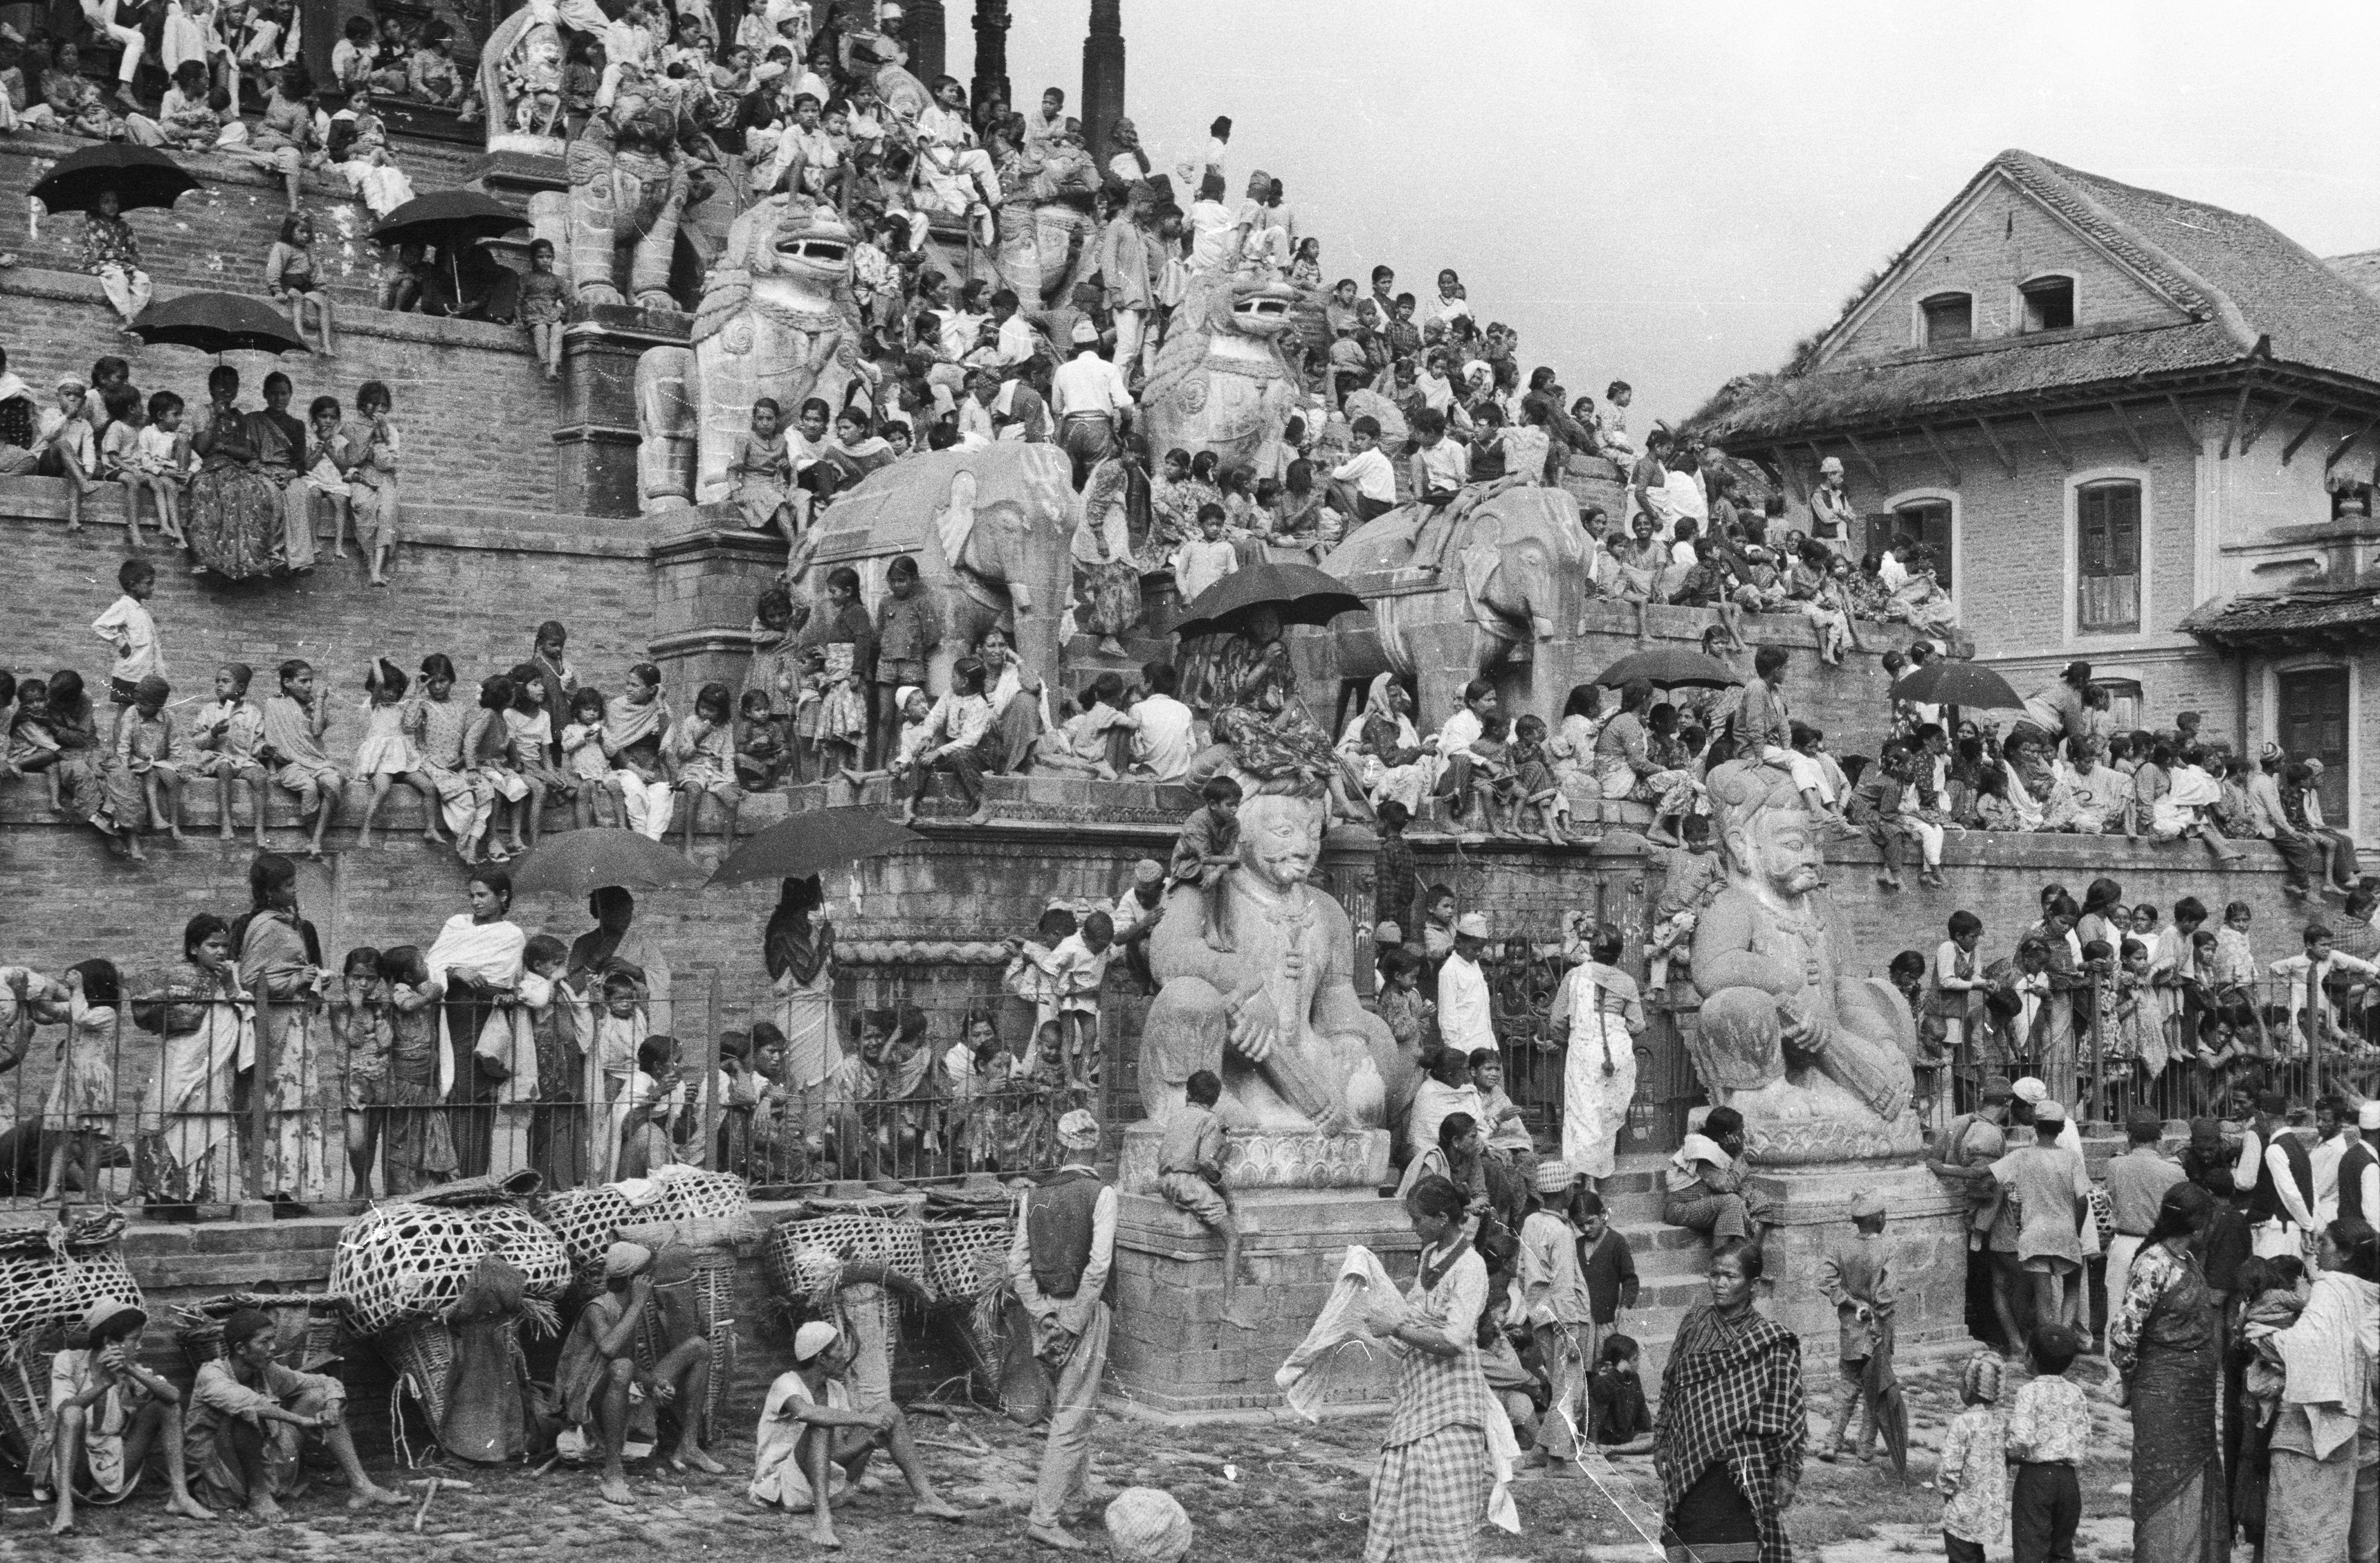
x=954 y=523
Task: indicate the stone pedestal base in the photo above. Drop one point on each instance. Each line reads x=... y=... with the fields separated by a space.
x=705 y=578
x=1268 y=1160
x=1172 y=1354
x=1925 y=1234
x=595 y=472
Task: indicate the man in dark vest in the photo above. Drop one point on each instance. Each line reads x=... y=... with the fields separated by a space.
x=1963 y=1157
x=1059 y=1262
x=2359 y=1169
x=2275 y=1165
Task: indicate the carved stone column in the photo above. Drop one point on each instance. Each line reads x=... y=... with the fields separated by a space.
x=990 y=52
x=929 y=42
x=1103 y=75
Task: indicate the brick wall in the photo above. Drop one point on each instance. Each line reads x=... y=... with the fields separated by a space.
x=476 y=412
x=2003 y=239
x=217 y=236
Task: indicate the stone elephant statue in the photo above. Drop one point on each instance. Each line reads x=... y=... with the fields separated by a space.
x=992 y=531
x=628 y=192
x=1514 y=580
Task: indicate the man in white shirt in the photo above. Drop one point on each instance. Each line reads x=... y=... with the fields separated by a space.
x=1042 y=131
x=2280 y=1210
x=2329 y=1148
x=1462 y=1013
x=1163 y=740
x=1003 y=409
x=1365 y=485
x=1089 y=397
x=1015 y=344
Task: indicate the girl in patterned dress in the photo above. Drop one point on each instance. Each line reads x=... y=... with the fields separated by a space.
x=488 y=751
x=529 y=727
x=358 y=1011
x=421 y=1146
x=386 y=755
x=80 y=1108
x=701 y=749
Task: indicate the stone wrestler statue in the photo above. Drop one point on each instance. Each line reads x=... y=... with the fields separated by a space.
x=1817 y=1059
x=1276 y=1016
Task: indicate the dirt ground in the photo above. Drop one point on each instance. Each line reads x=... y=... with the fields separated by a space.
x=1280 y=1489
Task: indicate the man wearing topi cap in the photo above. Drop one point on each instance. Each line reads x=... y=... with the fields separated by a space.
x=108 y=1415
x=598 y=1380
x=1059 y=1262
x=1089 y=397
x=1857 y=1279
x=814 y=1437
x=2136 y=1184
x=1463 y=1023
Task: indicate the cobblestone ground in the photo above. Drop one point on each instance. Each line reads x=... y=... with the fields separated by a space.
x=1276 y=1490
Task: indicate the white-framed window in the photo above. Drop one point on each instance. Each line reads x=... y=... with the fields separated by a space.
x=1944 y=318
x=2048 y=302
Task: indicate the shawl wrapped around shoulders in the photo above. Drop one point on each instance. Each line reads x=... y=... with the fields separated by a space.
x=1731 y=1395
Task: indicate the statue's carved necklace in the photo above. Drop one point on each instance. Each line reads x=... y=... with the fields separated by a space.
x=793 y=318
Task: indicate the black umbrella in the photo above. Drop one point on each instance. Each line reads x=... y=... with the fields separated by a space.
x=578 y=862
x=218 y=322
x=1888 y=1409
x=1949 y=682
x=1299 y=593
x=140 y=177
x=447 y=218
x=1671 y=668
x=811 y=843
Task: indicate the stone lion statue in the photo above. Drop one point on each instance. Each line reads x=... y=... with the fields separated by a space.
x=1275 y=1016
x=1221 y=383
x=628 y=189
x=778 y=318
x=1817 y=1059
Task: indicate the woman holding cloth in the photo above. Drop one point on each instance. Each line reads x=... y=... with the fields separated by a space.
x=1605 y=1016
x=2165 y=1341
x=281 y=968
x=2326 y=1419
x=799 y=950
x=186 y=1115
x=1384 y=750
x=476 y=963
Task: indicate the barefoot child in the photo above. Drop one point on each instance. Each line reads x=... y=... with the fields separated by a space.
x=358 y=1005
x=386 y=755
x=1973 y=1474
x=762 y=473
x=703 y=751
x=248 y=1421
x=225 y=736
x=1208 y=849
x=529 y=727
x=634 y=727
x=500 y=790
x=292 y=744
x=760 y=743
x=1494 y=780
x=1538 y=790
x=815 y=1439
x=582 y=757
x=329 y=456
x=909 y=743
x=544 y=307
x=109 y=1414
x=1856 y=1279
x=129 y=626
x=33 y=747
x=292 y=281
x=149 y=746
x=160 y=463
x=372 y=480
x=68 y=441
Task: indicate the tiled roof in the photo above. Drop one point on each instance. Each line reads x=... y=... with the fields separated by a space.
x=2238 y=277
x=2303 y=612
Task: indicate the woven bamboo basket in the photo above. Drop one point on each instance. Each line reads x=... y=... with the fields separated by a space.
x=25 y=1402
x=305 y=1326
x=963 y=1257
x=412 y=1261
x=510 y=1188
x=871 y=1238
x=714 y=1281
x=419 y=1351
x=52 y=1274
x=689 y=1195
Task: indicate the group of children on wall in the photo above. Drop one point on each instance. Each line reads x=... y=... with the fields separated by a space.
x=2131 y=1006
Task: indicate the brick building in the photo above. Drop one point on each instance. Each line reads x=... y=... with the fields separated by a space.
x=2137 y=430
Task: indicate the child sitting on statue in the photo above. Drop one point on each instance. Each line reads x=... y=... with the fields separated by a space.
x=1208 y=848
x=1190 y=1174
x=1692 y=876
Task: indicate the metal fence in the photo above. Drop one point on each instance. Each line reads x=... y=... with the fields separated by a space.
x=186 y=1102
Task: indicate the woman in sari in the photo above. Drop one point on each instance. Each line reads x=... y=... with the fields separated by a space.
x=1728 y=1441
x=232 y=514
x=281 y=968
x=2165 y=1341
x=1922 y=604
x=1436 y=1471
x=1599 y=1003
x=558 y=1038
x=1384 y=750
x=1573 y=743
x=186 y=1116
x=1273 y=738
x=476 y=963
x=1624 y=766
x=1020 y=705
x=799 y=948
x=1102 y=549
x=2326 y=1359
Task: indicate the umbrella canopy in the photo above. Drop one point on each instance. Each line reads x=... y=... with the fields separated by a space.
x=1948 y=682
x=577 y=863
x=1299 y=593
x=446 y=218
x=1670 y=668
x=218 y=322
x=1888 y=1410
x=811 y=843
x=140 y=177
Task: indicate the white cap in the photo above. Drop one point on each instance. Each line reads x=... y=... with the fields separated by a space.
x=812 y=1339
x=2367 y=1117
x=1471 y=925
x=2029 y=1089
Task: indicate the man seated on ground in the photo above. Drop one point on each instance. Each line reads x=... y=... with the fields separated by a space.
x=109 y=1414
x=814 y=1439
x=1706 y=1189
x=248 y=1419
x=599 y=1367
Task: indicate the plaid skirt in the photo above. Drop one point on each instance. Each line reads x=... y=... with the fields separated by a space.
x=1429 y=1497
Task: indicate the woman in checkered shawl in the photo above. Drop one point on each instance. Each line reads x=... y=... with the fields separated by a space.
x=1430 y=1492
x=1727 y=1442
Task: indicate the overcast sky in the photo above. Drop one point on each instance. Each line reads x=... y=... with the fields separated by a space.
x=1671 y=193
